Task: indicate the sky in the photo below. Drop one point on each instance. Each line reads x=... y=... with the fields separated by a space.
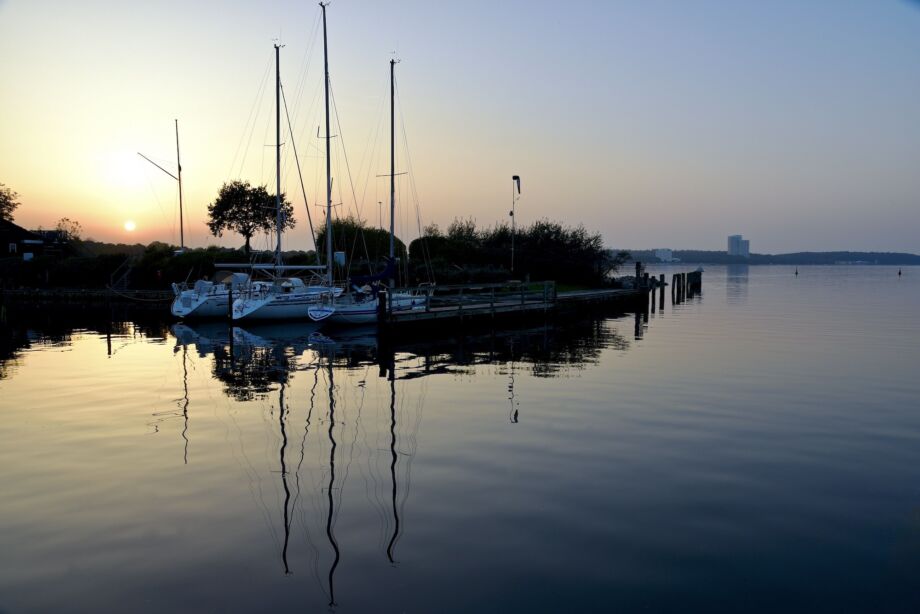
x=658 y=123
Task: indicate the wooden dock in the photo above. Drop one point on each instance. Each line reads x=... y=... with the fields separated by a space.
x=497 y=300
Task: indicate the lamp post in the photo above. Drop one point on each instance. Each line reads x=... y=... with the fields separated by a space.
x=515 y=195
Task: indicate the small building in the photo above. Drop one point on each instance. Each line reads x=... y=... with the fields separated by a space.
x=739 y=246
x=665 y=255
x=16 y=242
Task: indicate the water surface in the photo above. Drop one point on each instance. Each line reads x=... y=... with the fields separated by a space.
x=753 y=449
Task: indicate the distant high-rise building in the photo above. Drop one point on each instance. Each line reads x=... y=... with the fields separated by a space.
x=739 y=246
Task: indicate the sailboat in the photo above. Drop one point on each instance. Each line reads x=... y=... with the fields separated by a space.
x=361 y=305
x=280 y=297
x=204 y=298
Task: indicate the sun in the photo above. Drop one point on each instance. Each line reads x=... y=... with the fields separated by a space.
x=130 y=225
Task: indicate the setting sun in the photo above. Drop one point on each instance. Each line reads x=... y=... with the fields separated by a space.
x=130 y=225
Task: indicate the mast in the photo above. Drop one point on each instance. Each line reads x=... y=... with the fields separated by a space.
x=278 y=153
x=328 y=157
x=179 y=179
x=392 y=161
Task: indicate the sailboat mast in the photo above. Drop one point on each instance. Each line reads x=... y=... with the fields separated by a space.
x=328 y=157
x=392 y=160
x=278 y=153
x=179 y=165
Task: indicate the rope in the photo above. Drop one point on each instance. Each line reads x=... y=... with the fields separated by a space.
x=350 y=181
x=426 y=252
x=134 y=298
x=251 y=118
x=299 y=174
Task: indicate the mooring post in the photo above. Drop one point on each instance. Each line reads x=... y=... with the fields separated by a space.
x=661 y=287
x=653 y=298
x=381 y=306
x=645 y=281
x=230 y=305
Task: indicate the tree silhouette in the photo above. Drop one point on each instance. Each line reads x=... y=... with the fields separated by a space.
x=245 y=210
x=9 y=200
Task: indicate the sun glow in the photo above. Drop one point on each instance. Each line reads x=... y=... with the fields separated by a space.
x=130 y=226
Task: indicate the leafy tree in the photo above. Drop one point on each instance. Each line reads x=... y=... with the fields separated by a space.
x=9 y=200
x=70 y=230
x=245 y=210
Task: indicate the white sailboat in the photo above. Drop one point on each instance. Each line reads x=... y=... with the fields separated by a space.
x=280 y=297
x=204 y=298
x=207 y=299
x=361 y=306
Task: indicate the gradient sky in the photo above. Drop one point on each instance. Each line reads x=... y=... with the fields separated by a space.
x=658 y=123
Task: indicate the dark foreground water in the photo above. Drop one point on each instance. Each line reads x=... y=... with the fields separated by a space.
x=756 y=449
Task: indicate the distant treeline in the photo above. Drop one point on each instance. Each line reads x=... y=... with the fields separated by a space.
x=797 y=258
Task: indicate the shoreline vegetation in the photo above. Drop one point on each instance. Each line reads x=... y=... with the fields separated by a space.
x=463 y=253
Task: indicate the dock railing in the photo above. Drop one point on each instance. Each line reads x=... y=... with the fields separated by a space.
x=479 y=298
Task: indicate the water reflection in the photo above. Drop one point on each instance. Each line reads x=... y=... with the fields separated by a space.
x=253 y=361
x=736 y=283
x=284 y=368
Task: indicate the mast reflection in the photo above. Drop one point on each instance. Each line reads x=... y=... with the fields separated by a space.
x=255 y=362
x=284 y=483
x=393 y=459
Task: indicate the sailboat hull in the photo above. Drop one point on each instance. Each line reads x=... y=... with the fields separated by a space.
x=364 y=312
x=189 y=305
x=278 y=306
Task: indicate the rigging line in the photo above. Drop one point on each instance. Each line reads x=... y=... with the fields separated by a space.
x=305 y=63
x=250 y=118
x=426 y=248
x=358 y=207
x=303 y=189
x=369 y=154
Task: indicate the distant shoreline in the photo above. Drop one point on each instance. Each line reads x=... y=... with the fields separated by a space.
x=797 y=258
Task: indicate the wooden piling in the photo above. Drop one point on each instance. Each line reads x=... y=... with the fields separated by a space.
x=381 y=305
x=661 y=288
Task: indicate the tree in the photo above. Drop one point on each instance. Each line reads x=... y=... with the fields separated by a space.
x=9 y=200
x=69 y=230
x=245 y=210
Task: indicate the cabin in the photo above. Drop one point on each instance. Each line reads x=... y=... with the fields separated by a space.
x=17 y=242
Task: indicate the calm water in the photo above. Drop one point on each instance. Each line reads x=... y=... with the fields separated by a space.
x=754 y=449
